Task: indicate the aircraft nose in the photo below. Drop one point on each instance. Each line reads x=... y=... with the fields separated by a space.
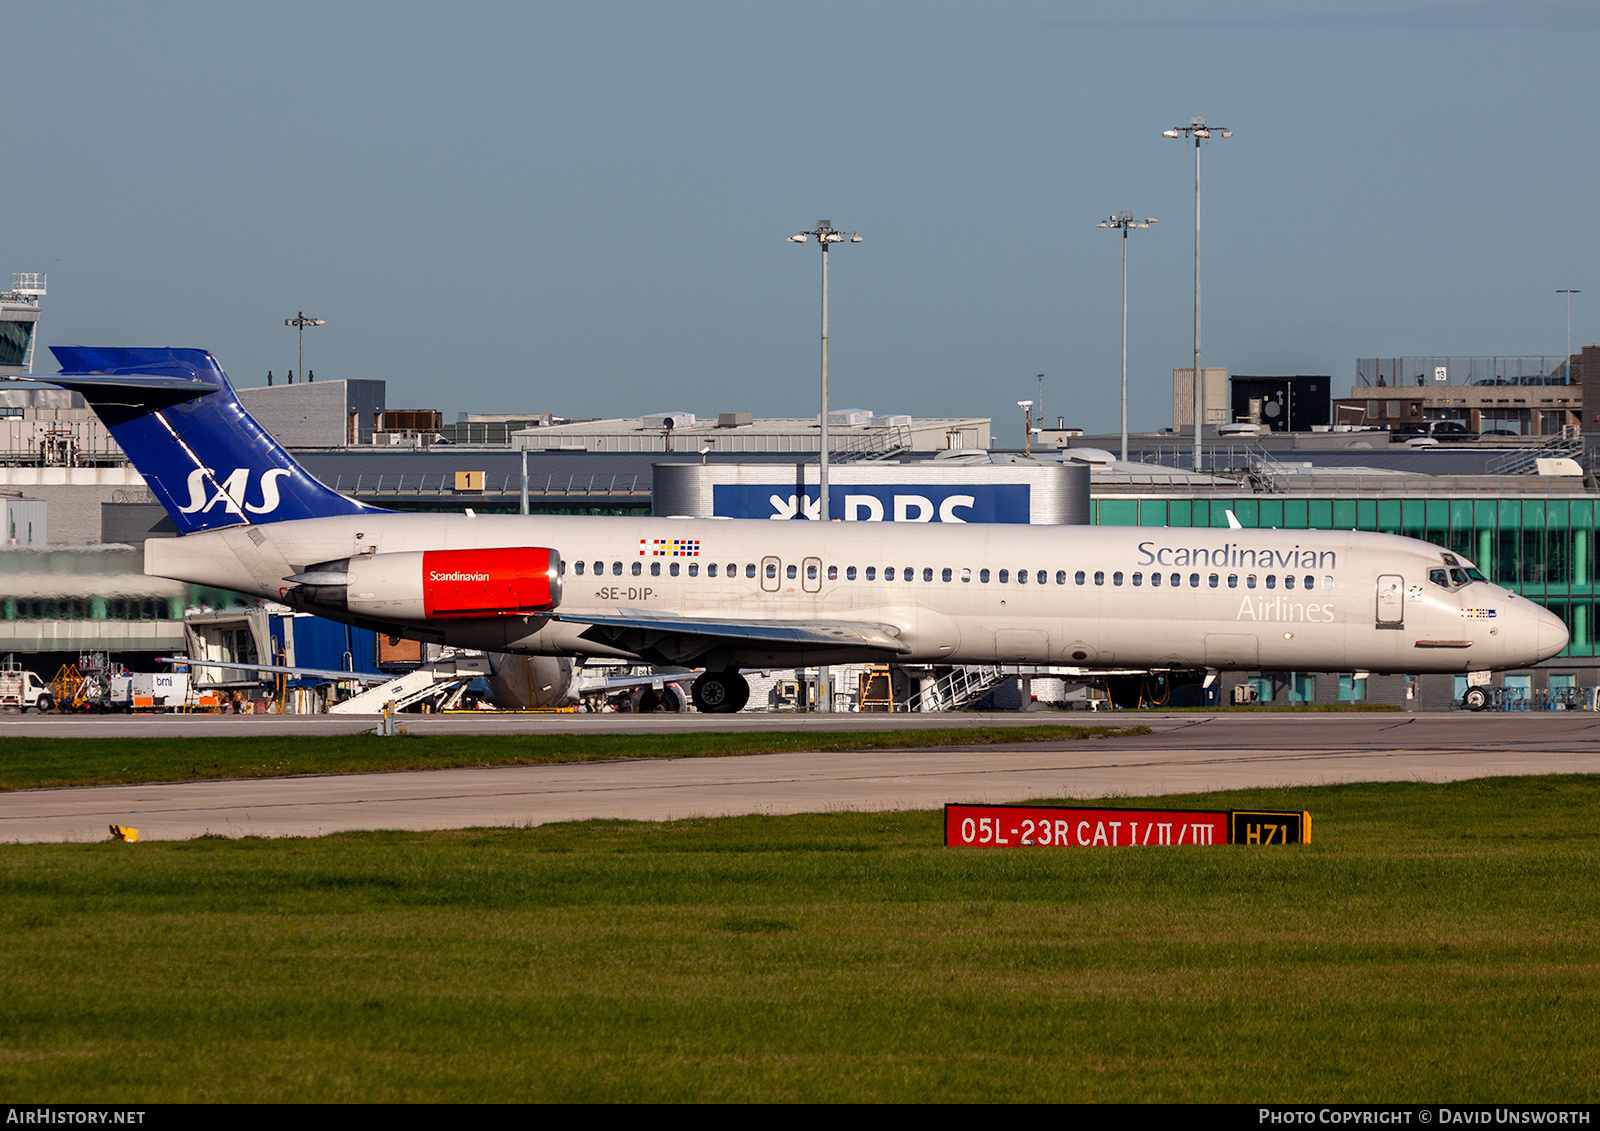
x=1550 y=633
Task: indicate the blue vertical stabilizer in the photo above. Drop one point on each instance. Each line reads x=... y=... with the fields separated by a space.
x=203 y=456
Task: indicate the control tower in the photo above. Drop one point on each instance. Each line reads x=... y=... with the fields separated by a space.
x=19 y=317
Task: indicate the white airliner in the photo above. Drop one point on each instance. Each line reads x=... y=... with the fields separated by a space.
x=726 y=594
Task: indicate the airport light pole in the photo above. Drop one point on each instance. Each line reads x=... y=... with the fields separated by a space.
x=1569 y=295
x=1027 y=426
x=826 y=236
x=301 y=321
x=1199 y=131
x=1124 y=221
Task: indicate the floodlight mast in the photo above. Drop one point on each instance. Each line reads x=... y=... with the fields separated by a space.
x=1199 y=131
x=826 y=235
x=300 y=320
x=1124 y=221
x=1568 y=363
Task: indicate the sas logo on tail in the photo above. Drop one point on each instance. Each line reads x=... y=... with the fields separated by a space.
x=231 y=491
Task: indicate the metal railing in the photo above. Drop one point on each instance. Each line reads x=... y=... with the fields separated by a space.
x=1403 y=372
x=434 y=483
x=1525 y=461
x=1537 y=699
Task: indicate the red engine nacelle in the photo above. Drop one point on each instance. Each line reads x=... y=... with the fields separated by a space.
x=479 y=583
x=439 y=584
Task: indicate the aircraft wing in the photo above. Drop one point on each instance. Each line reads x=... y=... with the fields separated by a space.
x=644 y=630
x=280 y=669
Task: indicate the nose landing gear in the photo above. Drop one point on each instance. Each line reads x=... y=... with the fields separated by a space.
x=720 y=693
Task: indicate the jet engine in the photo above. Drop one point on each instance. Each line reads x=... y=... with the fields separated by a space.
x=533 y=681
x=437 y=584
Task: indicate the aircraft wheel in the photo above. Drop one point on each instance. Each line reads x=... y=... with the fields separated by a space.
x=718 y=693
x=1476 y=699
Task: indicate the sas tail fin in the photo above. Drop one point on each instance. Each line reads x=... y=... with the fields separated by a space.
x=202 y=455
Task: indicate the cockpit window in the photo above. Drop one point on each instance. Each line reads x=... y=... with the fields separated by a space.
x=1439 y=577
x=1476 y=574
x=1459 y=576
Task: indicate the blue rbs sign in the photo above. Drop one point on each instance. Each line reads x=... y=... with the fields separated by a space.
x=921 y=502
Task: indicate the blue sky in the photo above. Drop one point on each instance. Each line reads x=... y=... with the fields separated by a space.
x=582 y=208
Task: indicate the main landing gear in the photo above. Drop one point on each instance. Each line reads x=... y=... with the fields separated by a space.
x=720 y=693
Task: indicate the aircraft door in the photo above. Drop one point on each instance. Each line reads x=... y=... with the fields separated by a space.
x=769 y=575
x=811 y=575
x=1391 y=601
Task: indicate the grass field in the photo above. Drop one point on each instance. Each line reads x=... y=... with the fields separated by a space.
x=1436 y=942
x=28 y=763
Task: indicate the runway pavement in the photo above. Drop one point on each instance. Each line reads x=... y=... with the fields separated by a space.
x=1183 y=754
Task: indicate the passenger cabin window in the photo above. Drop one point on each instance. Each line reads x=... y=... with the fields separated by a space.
x=833 y=573
x=1250 y=581
x=599 y=568
x=872 y=572
x=1099 y=577
x=888 y=573
x=850 y=573
x=673 y=569
x=1138 y=579
x=1078 y=577
x=655 y=569
x=946 y=574
x=1288 y=581
x=772 y=570
x=749 y=569
x=791 y=572
x=1213 y=580
x=927 y=574
x=966 y=575
x=1061 y=577
x=1177 y=579
x=1155 y=579
x=1116 y=578
x=711 y=570
x=1233 y=581
x=638 y=568
x=578 y=569
x=983 y=577
x=1272 y=581
x=1005 y=576
x=616 y=569
x=1022 y=577
x=694 y=569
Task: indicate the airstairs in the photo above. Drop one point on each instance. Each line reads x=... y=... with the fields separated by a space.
x=441 y=684
x=961 y=688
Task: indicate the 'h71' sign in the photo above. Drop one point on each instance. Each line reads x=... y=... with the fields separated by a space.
x=1017 y=826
